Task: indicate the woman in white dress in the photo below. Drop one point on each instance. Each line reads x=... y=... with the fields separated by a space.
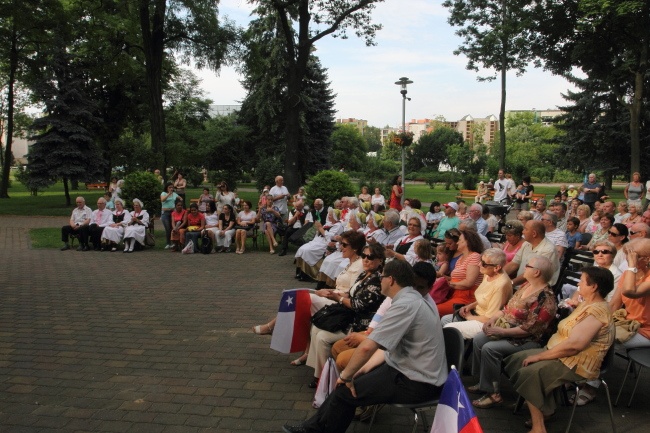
x=245 y=224
x=136 y=228
x=212 y=221
x=308 y=255
x=113 y=233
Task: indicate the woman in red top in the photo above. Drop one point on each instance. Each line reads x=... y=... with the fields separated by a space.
x=396 y=194
x=466 y=276
x=194 y=225
x=178 y=216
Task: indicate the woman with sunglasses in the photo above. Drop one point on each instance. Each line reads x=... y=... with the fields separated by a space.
x=466 y=276
x=363 y=298
x=618 y=235
x=491 y=295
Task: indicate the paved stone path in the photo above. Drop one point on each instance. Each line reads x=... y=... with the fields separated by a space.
x=160 y=342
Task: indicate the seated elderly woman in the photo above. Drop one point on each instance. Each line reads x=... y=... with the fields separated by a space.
x=520 y=325
x=514 y=230
x=195 y=223
x=363 y=298
x=491 y=296
x=309 y=255
x=113 y=234
x=136 y=228
x=403 y=248
x=604 y=253
x=574 y=353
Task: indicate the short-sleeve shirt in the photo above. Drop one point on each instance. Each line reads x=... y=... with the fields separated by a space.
x=587 y=362
x=411 y=333
x=281 y=203
x=460 y=270
x=544 y=248
x=638 y=309
x=169 y=203
x=532 y=314
x=489 y=295
x=81 y=215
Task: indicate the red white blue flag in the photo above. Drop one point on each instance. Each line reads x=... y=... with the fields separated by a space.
x=291 y=331
x=454 y=413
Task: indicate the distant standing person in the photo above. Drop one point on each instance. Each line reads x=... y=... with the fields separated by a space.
x=179 y=186
x=396 y=193
x=501 y=188
x=634 y=191
x=280 y=195
x=591 y=190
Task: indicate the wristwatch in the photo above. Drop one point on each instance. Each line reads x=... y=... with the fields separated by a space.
x=633 y=270
x=345 y=380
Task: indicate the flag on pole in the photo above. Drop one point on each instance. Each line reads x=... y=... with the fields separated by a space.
x=455 y=413
x=291 y=331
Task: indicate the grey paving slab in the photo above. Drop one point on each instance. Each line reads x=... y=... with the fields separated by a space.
x=160 y=342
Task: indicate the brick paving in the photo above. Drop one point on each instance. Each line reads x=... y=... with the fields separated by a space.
x=160 y=342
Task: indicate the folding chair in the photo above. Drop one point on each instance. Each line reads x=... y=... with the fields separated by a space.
x=635 y=356
x=454 y=349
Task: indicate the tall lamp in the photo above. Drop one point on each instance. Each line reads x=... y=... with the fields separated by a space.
x=403 y=82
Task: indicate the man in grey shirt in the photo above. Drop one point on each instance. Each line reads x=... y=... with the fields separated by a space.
x=413 y=368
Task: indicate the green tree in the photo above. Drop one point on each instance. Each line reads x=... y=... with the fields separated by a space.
x=192 y=30
x=349 y=149
x=431 y=149
x=64 y=146
x=299 y=37
x=390 y=151
x=495 y=36
x=372 y=135
x=24 y=26
x=609 y=42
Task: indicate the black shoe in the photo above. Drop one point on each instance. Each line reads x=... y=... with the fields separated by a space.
x=313 y=384
x=65 y=247
x=283 y=253
x=85 y=248
x=294 y=428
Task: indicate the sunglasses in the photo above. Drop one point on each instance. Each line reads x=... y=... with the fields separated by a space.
x=602 y=252
x=485 y=265
x=508 y=226
x=344 y=245
x=368 y=256
x=613 y=233
x=633 y=233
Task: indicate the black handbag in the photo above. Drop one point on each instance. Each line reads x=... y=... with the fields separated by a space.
x=333 y=318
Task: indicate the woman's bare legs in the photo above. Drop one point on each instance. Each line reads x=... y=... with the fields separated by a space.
x=537 y=417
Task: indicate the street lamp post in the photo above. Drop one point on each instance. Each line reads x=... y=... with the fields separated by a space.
x=403 y=82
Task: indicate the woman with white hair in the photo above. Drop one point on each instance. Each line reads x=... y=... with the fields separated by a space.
x=136 y=228
x=309 y=255
x=113 y=233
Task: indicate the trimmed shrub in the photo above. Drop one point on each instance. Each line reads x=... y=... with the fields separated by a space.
x=330 y=185
x=144 y=186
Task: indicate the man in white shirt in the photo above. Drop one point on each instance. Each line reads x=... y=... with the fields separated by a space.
x=536 y=244
x=78 y=225
x=501 y=188
x=99 y=219
x=297 y=219
x=280 y=195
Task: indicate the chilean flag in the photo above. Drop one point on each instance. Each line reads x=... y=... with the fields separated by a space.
x=454 y=413
x=291 y=331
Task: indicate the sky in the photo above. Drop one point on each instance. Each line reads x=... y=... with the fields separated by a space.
x=416 y=42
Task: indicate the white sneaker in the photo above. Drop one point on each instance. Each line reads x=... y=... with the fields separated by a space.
x=168 y=246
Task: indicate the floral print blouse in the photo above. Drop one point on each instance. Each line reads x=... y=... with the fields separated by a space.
x=365 y=299
x=532 y=314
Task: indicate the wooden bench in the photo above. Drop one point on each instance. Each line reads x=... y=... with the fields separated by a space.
x=98 y=185
x=471 y=193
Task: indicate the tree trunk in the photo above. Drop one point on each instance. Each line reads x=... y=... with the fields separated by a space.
x=13 y=67
x=67 y=191
x=635 y=112
x=153 y=43
x=502 y=122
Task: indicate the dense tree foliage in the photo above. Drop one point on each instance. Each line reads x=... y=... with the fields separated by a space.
x=432 y=148
x=349 y=149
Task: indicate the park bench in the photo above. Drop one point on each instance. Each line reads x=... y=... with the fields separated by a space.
x=471 y=193
x=97 y=185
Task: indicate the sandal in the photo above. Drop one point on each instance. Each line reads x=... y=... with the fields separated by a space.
x=474 y=389
x=488 y=401
x=584 y=397
x=259 y=329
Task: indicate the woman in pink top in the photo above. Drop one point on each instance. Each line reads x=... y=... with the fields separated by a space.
x=514 y=238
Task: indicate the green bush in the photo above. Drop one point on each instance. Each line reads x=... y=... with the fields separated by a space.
x=470 y=181
x=446 y=178
x=377 y=173
x=330 y=185
x=144 y=186
x=567 y=176
x=194 y=177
